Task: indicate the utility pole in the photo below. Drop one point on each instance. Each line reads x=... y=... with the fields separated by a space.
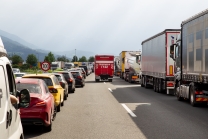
x=75 y=56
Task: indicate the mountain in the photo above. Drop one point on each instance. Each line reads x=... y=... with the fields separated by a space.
x=16 y=45
x=17 y=39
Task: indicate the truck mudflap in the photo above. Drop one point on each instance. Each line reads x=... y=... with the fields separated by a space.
x=170 y=87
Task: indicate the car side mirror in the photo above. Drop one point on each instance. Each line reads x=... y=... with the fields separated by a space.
x=24 y=98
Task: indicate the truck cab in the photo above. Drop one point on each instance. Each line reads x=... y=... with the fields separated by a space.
x=10 y=122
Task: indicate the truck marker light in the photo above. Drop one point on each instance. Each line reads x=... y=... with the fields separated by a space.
x=170 y=84
x=171 y=69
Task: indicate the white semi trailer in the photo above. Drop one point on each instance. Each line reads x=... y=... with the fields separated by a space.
x=190 y=54
x=157 y=66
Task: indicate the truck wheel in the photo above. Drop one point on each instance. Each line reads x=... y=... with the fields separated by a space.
x=154 y=85
x=97 y=80
x=159 y=86
x=110 y=80
x=192 y=96
x=145 y=82
x=142 y=81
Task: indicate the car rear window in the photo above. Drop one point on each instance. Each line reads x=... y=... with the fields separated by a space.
x=33 y=88
x=66 y=75
x=85 y=67
x=75 y=74
x=48 y=81
x=59 y=78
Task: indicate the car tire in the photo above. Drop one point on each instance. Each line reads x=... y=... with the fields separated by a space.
x=58 y=108
x=49 y=128
x=62 y=103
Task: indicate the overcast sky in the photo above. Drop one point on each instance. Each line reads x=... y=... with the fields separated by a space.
x=99 y=26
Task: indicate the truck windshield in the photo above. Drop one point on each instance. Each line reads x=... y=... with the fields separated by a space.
x=54 y=65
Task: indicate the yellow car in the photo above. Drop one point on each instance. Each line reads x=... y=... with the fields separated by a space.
x=53 y=86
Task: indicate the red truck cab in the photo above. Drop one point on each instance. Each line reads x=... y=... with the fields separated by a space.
x=104 y=67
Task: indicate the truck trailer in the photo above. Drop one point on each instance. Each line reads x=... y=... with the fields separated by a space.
x=190 y=54
x=104 y=67
x=157 y=66
x=57 y=65
x=117 y=69
x=129 y=65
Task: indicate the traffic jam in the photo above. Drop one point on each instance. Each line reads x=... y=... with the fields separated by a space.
x=163 y=67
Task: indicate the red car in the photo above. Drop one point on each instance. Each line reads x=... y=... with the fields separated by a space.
x=41 y=110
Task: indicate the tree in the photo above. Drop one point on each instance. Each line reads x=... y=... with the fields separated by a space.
x=75 y=59
x=50 y=57
x=16 y=59
x=83 y=59
x=32 y=60
x=62 y=58
x=91 y=59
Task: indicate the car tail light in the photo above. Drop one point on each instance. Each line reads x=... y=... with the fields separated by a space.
x=70 y=80
x=79 y=77
x=41 y=103
x=53 y=90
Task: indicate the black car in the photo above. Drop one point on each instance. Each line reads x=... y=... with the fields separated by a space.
x=85 y=68
x=70 y=80
x=80 y=81
x=79 y=69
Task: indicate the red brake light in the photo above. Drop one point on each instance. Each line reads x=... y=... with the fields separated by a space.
x=53 y=90
x=42 y=103
x=70 y=80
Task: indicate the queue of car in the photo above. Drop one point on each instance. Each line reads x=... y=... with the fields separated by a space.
x=48 y=91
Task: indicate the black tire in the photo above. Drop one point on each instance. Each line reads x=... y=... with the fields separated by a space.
x=192 y=96
x=62 y=103
x=65 y=97
x=97 y=80
x=142 y=81
x=58 y=108
x=159 y=85
x=145 y=82
x=110 y=80
x=154 y=85
x=49 y=128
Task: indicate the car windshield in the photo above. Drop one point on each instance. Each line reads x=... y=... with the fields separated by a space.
x=33 y=88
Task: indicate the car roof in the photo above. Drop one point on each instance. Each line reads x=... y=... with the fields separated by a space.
x=38 y=75
x=19 y=73
x=28 y=80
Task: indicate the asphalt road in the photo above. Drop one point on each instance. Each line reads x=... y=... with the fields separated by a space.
x=99 y=111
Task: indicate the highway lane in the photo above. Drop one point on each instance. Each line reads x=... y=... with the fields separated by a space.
x=91 y=112
x=99 y=110
x=160 y=116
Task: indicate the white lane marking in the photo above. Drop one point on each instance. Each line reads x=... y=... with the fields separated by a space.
x=104 y=83
x=110 y=90
x=128 y=110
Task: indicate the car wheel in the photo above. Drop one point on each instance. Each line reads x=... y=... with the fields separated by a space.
x=58 y=108
x=65 y=97
x=49 y=128
x=62 y=103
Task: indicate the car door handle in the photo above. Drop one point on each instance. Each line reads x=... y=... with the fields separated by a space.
x=9 y=119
